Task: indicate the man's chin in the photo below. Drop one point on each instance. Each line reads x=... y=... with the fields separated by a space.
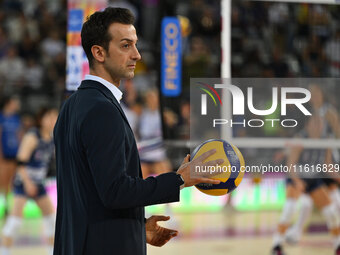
x=130 y=75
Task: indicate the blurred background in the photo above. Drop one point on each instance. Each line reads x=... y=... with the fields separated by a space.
x=40 y=63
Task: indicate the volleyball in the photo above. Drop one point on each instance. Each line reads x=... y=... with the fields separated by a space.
x=230 y=172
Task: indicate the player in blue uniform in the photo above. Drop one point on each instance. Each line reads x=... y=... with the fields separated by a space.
x=34 y=155
x=10 y=133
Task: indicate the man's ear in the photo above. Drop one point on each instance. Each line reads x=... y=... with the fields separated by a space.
x=98 y=53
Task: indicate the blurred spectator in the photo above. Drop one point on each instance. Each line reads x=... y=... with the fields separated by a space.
x=319 y=20
x=278 y=13
x=170 y=122
x=253 y=64
x=332 y=51
x=52 y=45
x=12 y=69
x=184 y=121
x=198 y=63
x=150 y=121
x=313 y=57
x=47 y=21
x=151 y=149
x=16 y=23
x=205 y=18
x=149 y=11
x=27 y=121
x=10 y=135
x=130 y=106
x=33 y=74
x=28 y=48
x=278 y=64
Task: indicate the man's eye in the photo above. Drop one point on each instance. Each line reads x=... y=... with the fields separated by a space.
x=126 y=45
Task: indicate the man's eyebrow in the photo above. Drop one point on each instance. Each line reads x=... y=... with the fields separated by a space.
x=127 y=39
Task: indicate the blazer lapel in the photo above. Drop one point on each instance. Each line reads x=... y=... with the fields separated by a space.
x=106 y=92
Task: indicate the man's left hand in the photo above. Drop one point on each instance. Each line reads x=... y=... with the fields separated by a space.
x=157 y=235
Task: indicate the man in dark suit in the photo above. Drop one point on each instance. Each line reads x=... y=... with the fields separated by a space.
x=101 y=192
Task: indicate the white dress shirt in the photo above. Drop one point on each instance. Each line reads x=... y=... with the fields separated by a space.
x=114 y=90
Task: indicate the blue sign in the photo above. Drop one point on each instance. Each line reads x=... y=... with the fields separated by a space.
x=75 y=20
x=171 y=57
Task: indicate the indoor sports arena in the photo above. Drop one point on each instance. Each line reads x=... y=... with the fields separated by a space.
x=233 y=102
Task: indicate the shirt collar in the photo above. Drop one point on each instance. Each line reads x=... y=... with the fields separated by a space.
x=114 y=90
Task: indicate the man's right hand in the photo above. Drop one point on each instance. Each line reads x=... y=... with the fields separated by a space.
x=187 y=165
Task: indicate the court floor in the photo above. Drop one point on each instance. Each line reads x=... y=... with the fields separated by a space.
x=224 y=232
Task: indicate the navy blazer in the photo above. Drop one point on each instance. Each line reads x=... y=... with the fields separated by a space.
x=101 y=192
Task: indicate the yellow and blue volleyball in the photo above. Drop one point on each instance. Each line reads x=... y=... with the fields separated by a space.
x=230 y=172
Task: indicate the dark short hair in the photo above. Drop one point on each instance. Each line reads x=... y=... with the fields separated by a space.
x=95 y=28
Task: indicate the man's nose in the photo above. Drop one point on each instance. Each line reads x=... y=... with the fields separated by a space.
x=136 y=56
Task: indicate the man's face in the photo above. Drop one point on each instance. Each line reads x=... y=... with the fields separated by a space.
x=122 y=55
